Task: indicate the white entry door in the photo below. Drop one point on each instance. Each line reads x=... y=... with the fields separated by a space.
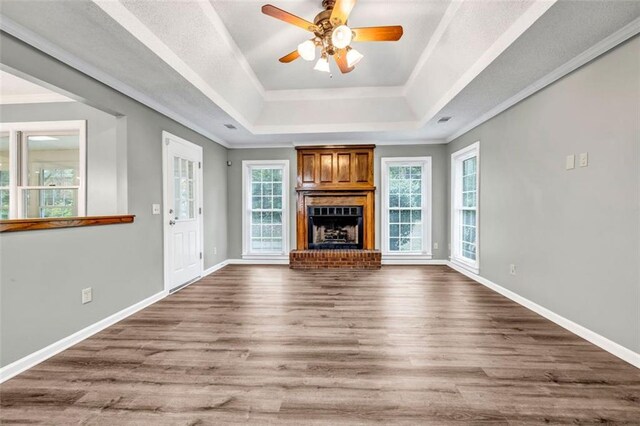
x=182 y=211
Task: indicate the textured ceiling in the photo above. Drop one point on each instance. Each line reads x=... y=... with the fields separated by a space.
x=262 y=40
x=203 y=63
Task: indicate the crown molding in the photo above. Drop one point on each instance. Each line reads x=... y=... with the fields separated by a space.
x=44 y=45
x=291 y=145
x=334 y=94
x=625 y=33
x=39 y=98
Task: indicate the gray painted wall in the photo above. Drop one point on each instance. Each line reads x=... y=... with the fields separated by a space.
x=42 y=272
x=437 y=152
x=574 y=236
x=102 y=144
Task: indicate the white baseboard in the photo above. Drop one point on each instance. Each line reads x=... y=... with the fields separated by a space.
x=612 y=347
x=279 y=260
x=215 y=268
x=391 y=260
x=43 y=354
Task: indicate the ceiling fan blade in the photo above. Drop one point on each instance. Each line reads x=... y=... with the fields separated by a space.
x=287 y=17
x=290 y=57
x=392 y=33
x=341 y=59
x=341 y=11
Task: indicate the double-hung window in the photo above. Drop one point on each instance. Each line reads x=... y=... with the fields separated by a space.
x=406 y=208
x=465 y=172
x=265 y=208
x=42 y=169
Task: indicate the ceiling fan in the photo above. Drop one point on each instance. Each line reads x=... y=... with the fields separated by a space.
x=332 y=35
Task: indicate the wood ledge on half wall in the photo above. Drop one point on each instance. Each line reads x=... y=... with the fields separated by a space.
x=15 y=225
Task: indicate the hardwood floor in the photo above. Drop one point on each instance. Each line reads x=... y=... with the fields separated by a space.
x=404 y=345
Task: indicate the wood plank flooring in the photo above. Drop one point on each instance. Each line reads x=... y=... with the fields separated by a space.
x=267 y=345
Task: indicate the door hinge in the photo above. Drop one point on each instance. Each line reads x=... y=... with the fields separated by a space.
x=200 y=255
x=200 y=210
x=199 y=165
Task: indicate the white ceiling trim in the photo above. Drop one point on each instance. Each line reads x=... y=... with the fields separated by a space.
x=433 y=42
x=525 y=21
x=630 y=30
x=132 y=24
x=334 y=128
x=73 y=61
x=334 y=142
x=40 y=98
x=334 y=94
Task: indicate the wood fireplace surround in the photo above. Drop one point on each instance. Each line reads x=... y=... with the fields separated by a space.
x=339 y=181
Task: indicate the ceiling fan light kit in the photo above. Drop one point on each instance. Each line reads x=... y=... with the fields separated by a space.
x=341 y=36
x=353 y=57
x=332 y=35
x=307 y=50
x=322 y=65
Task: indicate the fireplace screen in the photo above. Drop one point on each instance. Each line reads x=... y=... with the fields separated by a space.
x=333 y=227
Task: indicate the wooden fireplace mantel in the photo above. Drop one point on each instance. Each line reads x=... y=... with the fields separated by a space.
x=336 y=176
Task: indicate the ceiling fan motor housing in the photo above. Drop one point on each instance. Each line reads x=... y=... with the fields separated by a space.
x=325 y=26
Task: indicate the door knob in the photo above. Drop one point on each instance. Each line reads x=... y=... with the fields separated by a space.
x=172 y=222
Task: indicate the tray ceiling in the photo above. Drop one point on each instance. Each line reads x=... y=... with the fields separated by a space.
x=208 y=63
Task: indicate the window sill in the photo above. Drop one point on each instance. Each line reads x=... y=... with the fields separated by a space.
x=266 y=256
x=471 y=268
x=408 y=256
x=406 y=259
x=15 y=225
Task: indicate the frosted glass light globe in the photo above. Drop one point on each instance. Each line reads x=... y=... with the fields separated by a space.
x=353 y=57
x=322 y=65
x=341 y=36
x=307 y=50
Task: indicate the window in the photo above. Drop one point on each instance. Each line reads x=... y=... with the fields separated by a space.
x=406 y=207
x=42 y=169
x=465 y=168
x=265 y=186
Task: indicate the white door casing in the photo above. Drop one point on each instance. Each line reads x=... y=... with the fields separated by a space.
x=182 y=211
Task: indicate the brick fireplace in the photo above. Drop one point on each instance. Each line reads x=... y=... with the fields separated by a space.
x=335 y=213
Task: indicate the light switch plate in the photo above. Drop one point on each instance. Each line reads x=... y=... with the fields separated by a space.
x=155 y=208
x=87 y=295
x=584 y=159
x=571 y=162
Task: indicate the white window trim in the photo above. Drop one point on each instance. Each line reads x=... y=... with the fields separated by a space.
x=39 y=126
x=427 y=208
x=246 y=202
x=458 y=157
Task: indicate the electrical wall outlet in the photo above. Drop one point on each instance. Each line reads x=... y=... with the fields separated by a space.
x=435 y=246
x=571 y=162
x=155 y=208
x=512 y=269
x=583 y=159
x=215 y=250
x=87 y=295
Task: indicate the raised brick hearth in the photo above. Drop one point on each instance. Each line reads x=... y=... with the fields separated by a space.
x=335 y=259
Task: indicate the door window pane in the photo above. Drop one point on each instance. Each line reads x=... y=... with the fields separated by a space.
x=184 y=188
